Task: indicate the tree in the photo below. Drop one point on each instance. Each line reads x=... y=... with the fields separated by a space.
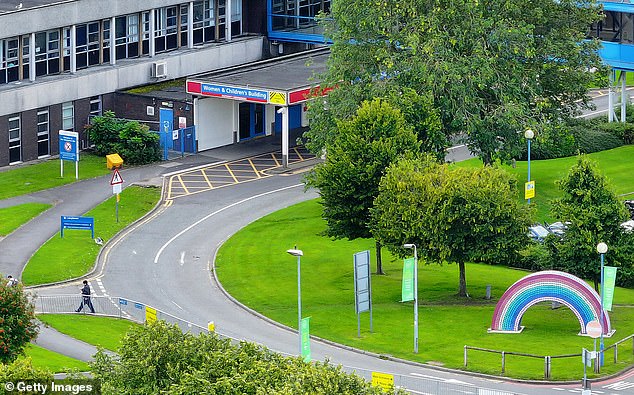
x=348 y=180
x=17 y=322
x=133 y=141
x=159 y=358
x=593 y=213
x=452 y=214
x=492 y=69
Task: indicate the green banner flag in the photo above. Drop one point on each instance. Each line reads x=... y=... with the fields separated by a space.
x=609 y=277
x=306 y=339
x=407 y=293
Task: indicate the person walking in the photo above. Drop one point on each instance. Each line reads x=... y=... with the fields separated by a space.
x=85 y=294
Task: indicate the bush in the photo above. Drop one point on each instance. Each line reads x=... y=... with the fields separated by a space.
x=131 y=140
x=622 y=131
x=595 y=140
x=17 y=321
x=553 y=141
x=535 y=257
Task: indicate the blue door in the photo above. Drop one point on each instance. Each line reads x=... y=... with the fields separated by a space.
x=166 y=121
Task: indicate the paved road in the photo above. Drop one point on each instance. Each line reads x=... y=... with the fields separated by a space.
x=166 y=262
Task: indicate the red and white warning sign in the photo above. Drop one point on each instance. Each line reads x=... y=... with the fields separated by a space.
x=116 y=178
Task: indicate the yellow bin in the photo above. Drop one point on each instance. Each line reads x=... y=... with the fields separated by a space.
x=113 y=161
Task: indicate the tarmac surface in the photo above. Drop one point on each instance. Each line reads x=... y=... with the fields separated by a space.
x=18 y=247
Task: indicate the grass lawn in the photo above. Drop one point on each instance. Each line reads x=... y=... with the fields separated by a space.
x=13 y=217
x=264 y=277
x=56 y=363
x=106 y=332
x=74 y=255
x=31 y=178
x=615 y=164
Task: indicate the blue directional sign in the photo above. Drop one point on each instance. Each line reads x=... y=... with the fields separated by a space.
x=68 y=145
x=80 y=223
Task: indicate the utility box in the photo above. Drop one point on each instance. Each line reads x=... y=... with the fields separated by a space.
x=113 y=161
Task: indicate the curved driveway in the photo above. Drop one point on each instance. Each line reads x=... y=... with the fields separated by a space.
x=165 y=261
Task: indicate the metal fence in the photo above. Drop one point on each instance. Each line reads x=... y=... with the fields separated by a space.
x=112 y=306
x=547 y=358
x=138 y=312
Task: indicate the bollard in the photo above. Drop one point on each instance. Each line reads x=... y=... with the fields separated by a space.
x=503 y=362
x=211 y=327
x=488 y=294
x=465 y=356
x=547 y=367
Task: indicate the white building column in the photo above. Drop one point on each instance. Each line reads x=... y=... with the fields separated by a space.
x=285 y=137
x=152 y=32
x=624 y=99
x=228 y=21
x=190 y=25
x=73 y=49
x=32 y=57
x=113 y=39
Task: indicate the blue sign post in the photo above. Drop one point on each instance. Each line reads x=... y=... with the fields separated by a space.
x=80 y=223
x=69 y=150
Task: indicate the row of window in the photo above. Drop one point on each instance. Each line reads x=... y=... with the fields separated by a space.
x=297 y=14
x=43 y=128
x=616 y=27
x=131 y=34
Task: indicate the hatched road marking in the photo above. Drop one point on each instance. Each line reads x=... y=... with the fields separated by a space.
x=230 y=173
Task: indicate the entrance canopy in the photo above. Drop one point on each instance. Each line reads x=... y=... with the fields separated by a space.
x=282 y=81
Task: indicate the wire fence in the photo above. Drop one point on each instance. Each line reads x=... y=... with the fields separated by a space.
x=139 y=312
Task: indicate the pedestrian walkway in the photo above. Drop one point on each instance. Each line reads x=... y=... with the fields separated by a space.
x=78 y=198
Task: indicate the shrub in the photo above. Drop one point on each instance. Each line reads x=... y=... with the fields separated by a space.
x=17 y=321
x=534 y=257
x=594 y=140
x=622 y=131
x=133 y=141
x=553 y=141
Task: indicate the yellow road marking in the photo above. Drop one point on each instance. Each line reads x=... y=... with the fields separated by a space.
x=275 y=159
x=298 y=154
x=254 y=168
x=168 y=203
x=183 y=184
x=231 y=173
x=206 y=178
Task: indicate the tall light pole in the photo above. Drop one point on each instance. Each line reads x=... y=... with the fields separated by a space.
x=298 y=254
x=602 y=248
x=415 y=295
x=528 y=134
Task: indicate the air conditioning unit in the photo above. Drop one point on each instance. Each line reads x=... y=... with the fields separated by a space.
x=159 y=70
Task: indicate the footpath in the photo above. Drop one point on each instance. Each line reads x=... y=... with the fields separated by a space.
x=77 y=198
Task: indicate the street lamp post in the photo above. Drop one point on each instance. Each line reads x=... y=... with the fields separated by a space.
x=298 y=254
x=528 y=134
x=415 y=295
x=602 y=248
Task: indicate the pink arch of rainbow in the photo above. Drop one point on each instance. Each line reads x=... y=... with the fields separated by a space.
x=549 y=285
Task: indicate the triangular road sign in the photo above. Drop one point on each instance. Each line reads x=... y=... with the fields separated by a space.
x=116 y=178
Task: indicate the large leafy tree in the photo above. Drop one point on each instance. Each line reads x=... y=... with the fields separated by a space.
x=348 y=180
x=593 y=213
x=452 y=214
x=17 y=321
x=160 y=358
x=492 y=68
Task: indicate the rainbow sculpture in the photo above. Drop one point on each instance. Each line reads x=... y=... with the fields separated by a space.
x=548 y=285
